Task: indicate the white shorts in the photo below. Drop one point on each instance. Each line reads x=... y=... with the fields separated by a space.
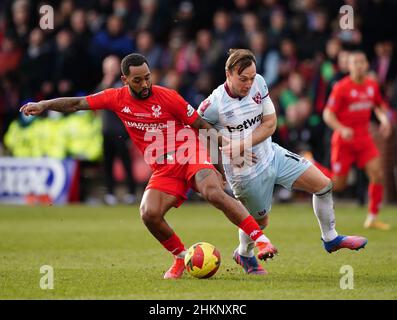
x=256 y=194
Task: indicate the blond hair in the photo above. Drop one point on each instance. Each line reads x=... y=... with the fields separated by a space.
x=239 y=59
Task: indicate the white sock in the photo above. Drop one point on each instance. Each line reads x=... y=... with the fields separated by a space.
x=371 y=217
x=246 y=246
x=323 y=206
x=181 y=255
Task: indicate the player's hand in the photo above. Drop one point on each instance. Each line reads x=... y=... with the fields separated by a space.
x=239 y=156
x=234 y=149
x=249 y=157
x=346 y=133
x=385 y=129
x=32 y=108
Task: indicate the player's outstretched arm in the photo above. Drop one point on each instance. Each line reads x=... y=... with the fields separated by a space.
x=66 y=105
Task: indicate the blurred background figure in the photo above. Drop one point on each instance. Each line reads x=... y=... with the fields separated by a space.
x=146 y=46
x=267 y=61
x=116 y=142
x=112 y=40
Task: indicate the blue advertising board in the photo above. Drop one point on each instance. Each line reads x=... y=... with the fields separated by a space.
x=21 y=178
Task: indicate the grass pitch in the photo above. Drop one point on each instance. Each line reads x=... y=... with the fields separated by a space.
x=107 y=253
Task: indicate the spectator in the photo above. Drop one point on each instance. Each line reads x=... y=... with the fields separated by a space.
x=173 y=80
x=267 y=61
x=9 y=102
x=224 y=31
x=79 y=26
x=201 y=89
x=242 y=6
x=154 y=16
x=296 y=123
x=115 y=137
x=267 y=8
x=317 y=35
x=208 y=49
x=251 y=24
x=112 y=40
x=184 y=17
x=10 y=55
x=186 y=60
x=64 y=13
x=277 y=29
x=36 y=66
x=70 y=69
x=177 y=41
x=95 y=20
x=326 y=71
x=146 y=46
x=383 y=64
x=21 y=21
x=289 y=59
x=122 y=9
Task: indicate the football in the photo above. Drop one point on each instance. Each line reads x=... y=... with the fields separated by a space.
x=202 y=260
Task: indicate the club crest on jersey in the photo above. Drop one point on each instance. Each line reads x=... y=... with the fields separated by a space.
x=156 y=111
x=258 y=98
x=204 y=106
x=354 y=93
x=190 y=110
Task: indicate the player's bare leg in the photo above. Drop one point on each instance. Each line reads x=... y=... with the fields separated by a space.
x=244 y=254
x=155 y=204
x=375 y=194
x=339 y=183
x=315 y=182
x=209 y=184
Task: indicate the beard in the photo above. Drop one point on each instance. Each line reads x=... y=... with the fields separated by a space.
x=143 y=94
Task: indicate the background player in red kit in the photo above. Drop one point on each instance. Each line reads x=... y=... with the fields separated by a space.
x=348 y=113
x=148 y=110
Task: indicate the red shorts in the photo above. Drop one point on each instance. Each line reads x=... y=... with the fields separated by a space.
x=176 y=179
x=345 y=154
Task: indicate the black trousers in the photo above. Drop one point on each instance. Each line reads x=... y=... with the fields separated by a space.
x=117 y=146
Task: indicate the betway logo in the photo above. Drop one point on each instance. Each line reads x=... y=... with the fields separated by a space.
x=246 y=124
x=146 y=126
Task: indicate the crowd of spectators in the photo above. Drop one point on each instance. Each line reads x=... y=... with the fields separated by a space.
x=299 y=46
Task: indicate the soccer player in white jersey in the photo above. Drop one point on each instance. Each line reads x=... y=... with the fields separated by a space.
x=242 y=110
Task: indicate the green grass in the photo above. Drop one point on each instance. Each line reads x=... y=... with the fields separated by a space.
x=107 y=253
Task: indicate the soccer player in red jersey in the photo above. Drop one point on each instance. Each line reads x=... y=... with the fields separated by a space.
x=348 y=113
x=160 y=114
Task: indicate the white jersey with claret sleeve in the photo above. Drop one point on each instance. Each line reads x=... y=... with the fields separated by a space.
x=237 y=118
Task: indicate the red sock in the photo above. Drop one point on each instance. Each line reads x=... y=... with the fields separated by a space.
x=251 y=227
x=375 y=195
x=323 y=169
x=173 y=244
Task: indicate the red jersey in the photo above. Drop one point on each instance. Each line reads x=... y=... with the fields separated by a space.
x=158 y=118
x=352 y=104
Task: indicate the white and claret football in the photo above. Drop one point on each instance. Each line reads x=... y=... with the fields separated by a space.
x=202 y=260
